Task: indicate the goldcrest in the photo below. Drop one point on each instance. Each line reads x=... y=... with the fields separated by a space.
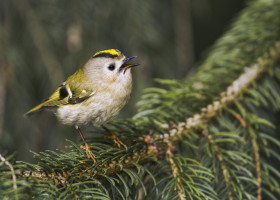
x=95 y=93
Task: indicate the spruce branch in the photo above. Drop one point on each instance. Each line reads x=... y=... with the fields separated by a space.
x=175 y=172
x=257 y=160
x=207 y=137
x=239 y=86
x=221 y=161
x=6 y=162
x=158 y=145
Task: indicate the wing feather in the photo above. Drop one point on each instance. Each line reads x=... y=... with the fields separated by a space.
x=72 y=91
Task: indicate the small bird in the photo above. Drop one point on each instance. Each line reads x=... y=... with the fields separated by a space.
x=95 y=93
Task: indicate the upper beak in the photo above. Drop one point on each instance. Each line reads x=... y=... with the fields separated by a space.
x=125 y=65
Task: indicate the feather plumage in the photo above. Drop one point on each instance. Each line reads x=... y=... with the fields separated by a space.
x=69 y=92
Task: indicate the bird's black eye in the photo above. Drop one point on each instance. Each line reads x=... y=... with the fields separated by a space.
x=111 y=67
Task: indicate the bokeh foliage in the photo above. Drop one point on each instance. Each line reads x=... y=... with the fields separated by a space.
x=213 y=135
x=42 y=42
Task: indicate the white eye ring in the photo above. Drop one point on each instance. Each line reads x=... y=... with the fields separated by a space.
x=111 y=67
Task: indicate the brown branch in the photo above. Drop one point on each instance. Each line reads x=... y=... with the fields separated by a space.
x=175 y=172
x=176 y=131
x=241 y=120
x=258 y=162
x=13 y=174
x=256 y=153
x=238 y=86
x=110 y=168
x=221 y=161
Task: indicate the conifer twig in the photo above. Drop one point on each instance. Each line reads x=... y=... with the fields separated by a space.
x=256 y=154
x=221 y=161
x=258 y=162
x=13 y=174
x=175 y=172
x=175 y=131
x=238 y=86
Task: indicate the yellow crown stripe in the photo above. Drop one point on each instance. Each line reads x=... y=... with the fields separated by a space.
x=113 y=52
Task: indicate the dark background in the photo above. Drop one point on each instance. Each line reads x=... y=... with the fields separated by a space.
x=43 y=42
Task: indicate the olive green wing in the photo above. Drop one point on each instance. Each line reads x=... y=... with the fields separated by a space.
x=70 y=92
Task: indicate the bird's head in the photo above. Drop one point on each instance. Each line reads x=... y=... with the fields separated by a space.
x=109 y=66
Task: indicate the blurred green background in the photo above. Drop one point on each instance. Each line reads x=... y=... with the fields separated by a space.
x=42 y=42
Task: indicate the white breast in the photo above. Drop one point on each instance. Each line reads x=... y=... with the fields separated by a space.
x=100 y=108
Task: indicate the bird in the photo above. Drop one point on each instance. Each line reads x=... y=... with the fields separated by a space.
x=94 y=94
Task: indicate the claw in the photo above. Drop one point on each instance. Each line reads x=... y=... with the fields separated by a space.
x=114 y=137
x=86 y=147
x=117 y=141
x=89 y=152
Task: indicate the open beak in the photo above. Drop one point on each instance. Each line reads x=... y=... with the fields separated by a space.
x=125 y=65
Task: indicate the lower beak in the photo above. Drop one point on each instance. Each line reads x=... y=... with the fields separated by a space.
x=125 y=65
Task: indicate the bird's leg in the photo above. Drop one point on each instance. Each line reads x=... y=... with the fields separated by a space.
x=86 y=147
x=114 y=137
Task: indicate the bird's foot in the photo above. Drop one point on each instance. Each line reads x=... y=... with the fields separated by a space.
x=116 y=140
x=89 y=152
